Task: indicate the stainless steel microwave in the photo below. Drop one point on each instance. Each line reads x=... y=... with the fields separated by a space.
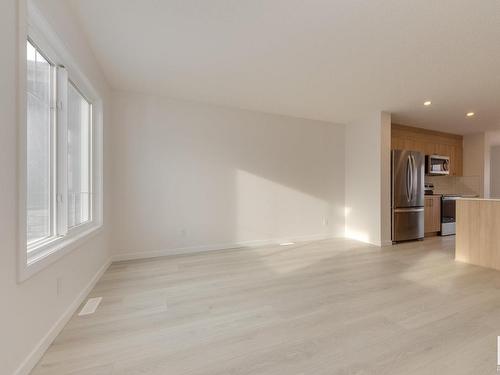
x=437 y=165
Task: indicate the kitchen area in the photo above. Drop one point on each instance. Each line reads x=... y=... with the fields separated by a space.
x=427 y=180
x=445 y=185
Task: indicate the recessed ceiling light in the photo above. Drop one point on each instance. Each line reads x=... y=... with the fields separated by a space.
x=470 y=114
x=427 y=103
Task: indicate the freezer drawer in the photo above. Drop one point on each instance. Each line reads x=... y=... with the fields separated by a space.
x=408 y=224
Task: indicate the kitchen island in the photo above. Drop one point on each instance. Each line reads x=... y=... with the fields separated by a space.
x=478 y=232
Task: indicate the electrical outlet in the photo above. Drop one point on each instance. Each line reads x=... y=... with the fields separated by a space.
x=59 y=286
x=325 y=221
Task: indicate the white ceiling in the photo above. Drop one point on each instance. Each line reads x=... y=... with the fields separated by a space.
x=322 y=59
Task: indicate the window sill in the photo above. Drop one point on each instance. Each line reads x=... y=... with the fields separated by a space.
x=55 y=250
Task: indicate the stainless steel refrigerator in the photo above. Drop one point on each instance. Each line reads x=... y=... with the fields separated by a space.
x=408 y=169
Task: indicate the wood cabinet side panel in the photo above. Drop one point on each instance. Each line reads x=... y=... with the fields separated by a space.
x=478 y=236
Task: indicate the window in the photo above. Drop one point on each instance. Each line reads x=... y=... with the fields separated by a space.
x=40 y=121
x=79 y=157
x=63 y=166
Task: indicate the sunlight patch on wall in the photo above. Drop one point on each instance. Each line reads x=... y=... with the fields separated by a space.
x=347 y=211
x=352 y=233
x=272 y=212
x=357 y=235
x=267 y=210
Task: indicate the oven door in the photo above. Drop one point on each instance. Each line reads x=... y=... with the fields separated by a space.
x=448 y=215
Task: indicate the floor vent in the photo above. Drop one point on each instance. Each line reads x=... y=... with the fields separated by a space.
x=91 y=306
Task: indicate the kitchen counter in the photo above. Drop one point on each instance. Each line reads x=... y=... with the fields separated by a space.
x=474 y=198
x=478 y=237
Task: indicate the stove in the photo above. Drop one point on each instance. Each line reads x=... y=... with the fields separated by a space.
x=448 y=214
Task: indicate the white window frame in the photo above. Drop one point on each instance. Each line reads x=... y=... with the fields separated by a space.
x=34 y=27
x=52 y=149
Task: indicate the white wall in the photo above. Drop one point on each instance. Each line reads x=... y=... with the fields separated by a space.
x=30 y=309
x=385 y=178
x=368 y=179
x=474 y=159
x=492 y=167
x=191 y=177
x=495 y=172
x=478 y=159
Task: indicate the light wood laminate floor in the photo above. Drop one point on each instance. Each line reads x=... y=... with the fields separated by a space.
x=326 y=307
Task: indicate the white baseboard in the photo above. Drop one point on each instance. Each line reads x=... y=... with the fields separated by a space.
x=30 y=362
x=198 y=249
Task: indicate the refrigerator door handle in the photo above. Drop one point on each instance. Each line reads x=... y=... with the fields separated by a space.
x=413 y=177
x=408 y=179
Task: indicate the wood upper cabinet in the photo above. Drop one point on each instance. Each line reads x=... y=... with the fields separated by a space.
x=430 y=142
x=432 y=213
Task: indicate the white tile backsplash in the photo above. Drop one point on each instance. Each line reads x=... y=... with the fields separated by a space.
x=465 y=185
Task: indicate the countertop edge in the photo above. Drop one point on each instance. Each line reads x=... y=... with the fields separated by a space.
x=479 y=199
